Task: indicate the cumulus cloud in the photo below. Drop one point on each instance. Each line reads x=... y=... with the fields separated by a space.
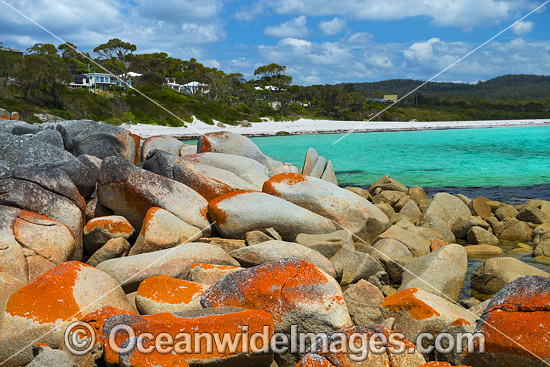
x=523 y=27
x=332 y=27
x=462 y=14
x=360 y=38
x=178 y=10
x=296 y=27
x=421 y=51
x=199 y=33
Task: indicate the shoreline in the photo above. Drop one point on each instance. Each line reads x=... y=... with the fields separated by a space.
x=307 y=126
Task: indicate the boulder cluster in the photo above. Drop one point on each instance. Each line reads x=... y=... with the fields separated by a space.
x=101 y=226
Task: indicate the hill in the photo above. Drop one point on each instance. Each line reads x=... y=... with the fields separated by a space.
x=507 y=88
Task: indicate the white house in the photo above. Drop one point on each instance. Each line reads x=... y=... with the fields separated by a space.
x=194 y=88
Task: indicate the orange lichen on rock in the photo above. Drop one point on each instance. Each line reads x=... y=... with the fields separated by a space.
x=521 y=311
x=460 y=322
x=219 y=215
x=109 y=224
x=213 y=267
x=186 y=330
x=406 y=301
x=262 y=283
x=45 y=301
x=165 y=289
x=286 y=178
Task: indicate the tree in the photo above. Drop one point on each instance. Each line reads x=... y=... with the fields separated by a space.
x=273 y=75
x=76 y=61
x=43 y=78
x=8 y=64
x=117 y=55
x=42 y=49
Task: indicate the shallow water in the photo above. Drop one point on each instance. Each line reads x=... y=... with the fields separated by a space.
x=517 y=156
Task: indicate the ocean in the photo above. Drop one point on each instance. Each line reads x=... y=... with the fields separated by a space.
x=506 y=164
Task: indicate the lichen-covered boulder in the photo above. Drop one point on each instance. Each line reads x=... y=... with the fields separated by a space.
x=42 y=309
x=208 y=181
x=237 y=213
x=162 y=230
x=105 y=140
x=248 y=169
x=102 y=229
x=515 y=325
x=130 y=271
x=130 y=191
x=349 y=210
x=21 y=151
x=441 y=272
x=230 y=143
x=163 y=142
x=165 y=294
x=365 y=340
x=228 y=321
x=293 y=291
x=50 y=193
x=417 y=311
x=270 y=251
x=32 y=244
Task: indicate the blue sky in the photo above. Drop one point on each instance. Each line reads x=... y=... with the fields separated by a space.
x=322 y=41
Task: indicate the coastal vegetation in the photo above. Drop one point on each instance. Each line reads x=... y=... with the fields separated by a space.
x=37 y=83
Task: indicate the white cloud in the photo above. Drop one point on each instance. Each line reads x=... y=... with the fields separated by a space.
x=523 y=27
x=462 y=14
x=421 y=51
x=332 y=27
x=296 y=27
x=199 y=33
x=179 y=10
x=360 y=38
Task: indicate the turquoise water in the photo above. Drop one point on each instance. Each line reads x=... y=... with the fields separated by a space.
x=517 y=156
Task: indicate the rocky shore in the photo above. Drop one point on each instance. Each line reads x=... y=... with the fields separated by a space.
x=101 y=226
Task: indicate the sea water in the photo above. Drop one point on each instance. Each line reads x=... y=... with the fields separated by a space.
x=501 y=163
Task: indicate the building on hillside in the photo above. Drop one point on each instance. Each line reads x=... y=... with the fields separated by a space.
x=171 y=83
x=388 y=98
x=9 y=49
x=194 y=88
x=130 y=78
x=100 y=82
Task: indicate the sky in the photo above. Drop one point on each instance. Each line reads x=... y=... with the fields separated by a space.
x=320 y=41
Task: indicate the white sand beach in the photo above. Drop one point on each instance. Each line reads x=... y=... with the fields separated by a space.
x=305 y=126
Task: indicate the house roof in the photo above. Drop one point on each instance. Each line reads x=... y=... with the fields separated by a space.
x=130 y=74
x=195 y=84
x=11 y=49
